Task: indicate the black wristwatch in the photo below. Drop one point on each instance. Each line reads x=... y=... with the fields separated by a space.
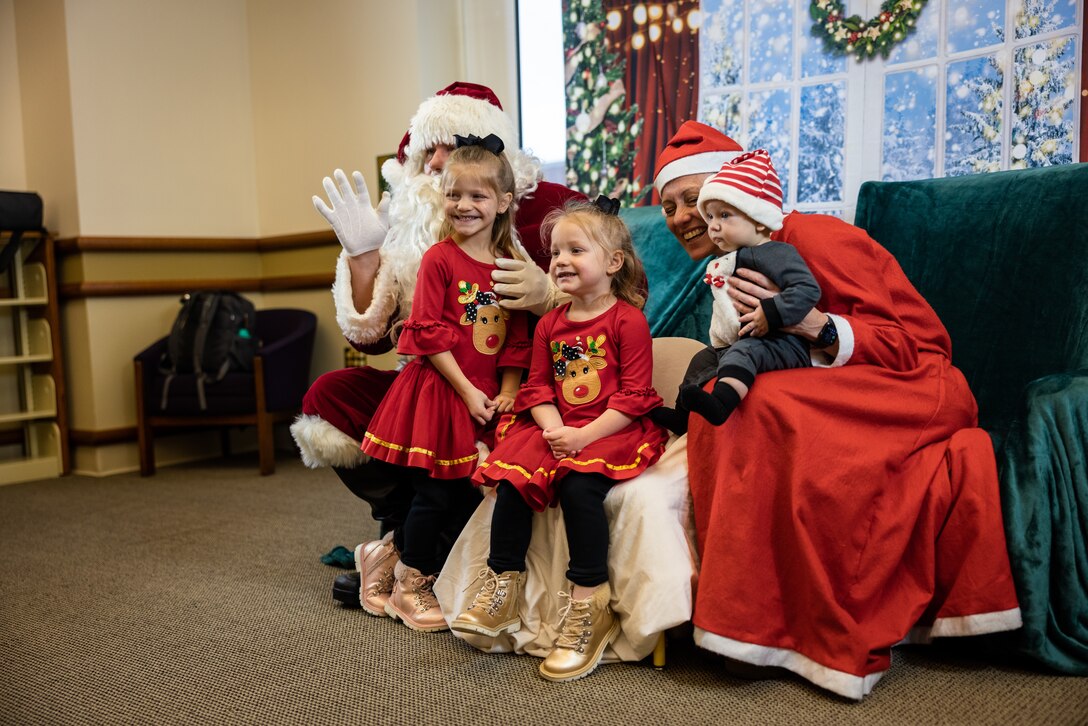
x=829 y=335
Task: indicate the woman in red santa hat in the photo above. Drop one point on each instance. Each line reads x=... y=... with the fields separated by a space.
x=843 y=510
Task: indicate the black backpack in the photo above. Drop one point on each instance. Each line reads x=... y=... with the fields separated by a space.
x=19 y=212
x=212 y=335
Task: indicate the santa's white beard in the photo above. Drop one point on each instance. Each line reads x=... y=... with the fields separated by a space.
x=416 y=213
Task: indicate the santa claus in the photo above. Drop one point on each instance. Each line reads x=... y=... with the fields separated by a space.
x=375 y=279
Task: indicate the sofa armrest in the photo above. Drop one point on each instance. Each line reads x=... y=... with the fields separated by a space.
x=1044 y=497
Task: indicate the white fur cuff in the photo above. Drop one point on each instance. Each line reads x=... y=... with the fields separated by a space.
x=372 y=325
x=322 y=444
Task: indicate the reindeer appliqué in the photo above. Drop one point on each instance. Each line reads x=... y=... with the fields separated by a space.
x=577 y=365
x=483 y=313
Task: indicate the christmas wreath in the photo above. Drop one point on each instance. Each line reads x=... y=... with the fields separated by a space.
x=864 y=38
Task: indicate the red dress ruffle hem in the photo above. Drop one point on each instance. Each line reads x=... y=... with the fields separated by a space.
x=583 y=368
x=422 y=422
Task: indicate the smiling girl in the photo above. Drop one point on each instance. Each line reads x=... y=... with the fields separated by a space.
x=433 y=414
x=578 y=428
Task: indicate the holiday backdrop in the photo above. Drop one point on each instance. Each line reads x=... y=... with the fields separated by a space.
x=919 y=89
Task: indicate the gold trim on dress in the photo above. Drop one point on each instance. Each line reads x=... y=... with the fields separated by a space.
x=418 y=450
x=549 y=474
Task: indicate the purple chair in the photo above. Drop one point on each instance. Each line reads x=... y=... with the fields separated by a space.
x=270 y=393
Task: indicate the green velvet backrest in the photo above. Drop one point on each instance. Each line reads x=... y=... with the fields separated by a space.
x=1003 y=259
x=678 y=304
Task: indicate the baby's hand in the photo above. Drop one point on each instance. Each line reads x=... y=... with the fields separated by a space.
x=754 y=323
x=504 y=402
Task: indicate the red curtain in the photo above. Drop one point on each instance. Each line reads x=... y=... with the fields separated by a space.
x=662 y=75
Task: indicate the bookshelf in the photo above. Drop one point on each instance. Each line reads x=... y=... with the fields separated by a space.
x=33 y=415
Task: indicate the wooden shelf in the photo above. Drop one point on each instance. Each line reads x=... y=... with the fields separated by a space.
x=34 y=287
x=35 y=343
x=43 y=458
x=41 y=403
x=37 y=423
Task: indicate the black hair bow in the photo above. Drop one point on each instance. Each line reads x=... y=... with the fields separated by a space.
x=491 y=142
x=608 y=205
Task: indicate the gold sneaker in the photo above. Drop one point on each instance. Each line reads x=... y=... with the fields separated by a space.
x=375 y=562
x=494 y=609
x=413 y=602
x=586 y=628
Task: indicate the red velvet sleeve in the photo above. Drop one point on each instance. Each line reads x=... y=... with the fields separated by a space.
x=532 y=208
x=382 y=345
x=863 y=283
x=540 y=388
x=636 y=395
x=424 y=332
x=518 y=350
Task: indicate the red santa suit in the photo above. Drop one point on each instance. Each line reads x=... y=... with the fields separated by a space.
x=339 y=405
x=422 y=422
x=582 y=368
x=846 y=509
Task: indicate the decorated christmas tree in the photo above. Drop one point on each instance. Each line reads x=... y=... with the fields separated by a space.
x=974 y=144
x=1042 y=134
x=601 y=132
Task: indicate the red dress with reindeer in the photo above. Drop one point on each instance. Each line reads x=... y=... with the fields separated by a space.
x=582 y=368
x=422 y=422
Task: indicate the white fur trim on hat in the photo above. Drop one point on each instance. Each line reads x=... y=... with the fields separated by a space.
x=763 y=212
x=439 y=118
x=707 y=162
x=393 y=172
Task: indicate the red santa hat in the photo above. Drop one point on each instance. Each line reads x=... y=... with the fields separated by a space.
x=749 y=183
x=695 y=148
x=459 y=108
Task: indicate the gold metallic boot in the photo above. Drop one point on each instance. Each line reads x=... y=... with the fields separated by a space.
x=413 y=600
x=494 y=609
x=375 y=562
x=586 y=628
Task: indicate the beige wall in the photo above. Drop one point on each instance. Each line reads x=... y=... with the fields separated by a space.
x=335 y=82
x=12 y=158
x=211 y=118
x=162 y=118
x=42 y=46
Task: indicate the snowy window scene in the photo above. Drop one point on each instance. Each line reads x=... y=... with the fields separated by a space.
x=766 y=81
x=964 y=87
x=982 y=86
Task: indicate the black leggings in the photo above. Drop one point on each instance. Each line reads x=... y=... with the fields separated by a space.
x=582 y=498
x=390 y=489
x=385 y=487
x=439 y=510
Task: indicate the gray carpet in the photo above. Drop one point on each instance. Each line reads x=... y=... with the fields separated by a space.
x=198 y=596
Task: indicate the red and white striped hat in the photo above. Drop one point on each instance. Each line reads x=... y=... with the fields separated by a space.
x=749 y=183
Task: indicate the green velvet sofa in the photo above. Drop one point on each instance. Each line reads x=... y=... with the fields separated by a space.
x=1003 y=259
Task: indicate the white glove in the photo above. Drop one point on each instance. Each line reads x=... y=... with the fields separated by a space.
x=524 y=286
x=358 y=227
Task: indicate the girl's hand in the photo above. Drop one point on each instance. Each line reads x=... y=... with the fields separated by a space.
x=480 y=407
x=754 y=323
x=504 y=402
x=564 y=440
